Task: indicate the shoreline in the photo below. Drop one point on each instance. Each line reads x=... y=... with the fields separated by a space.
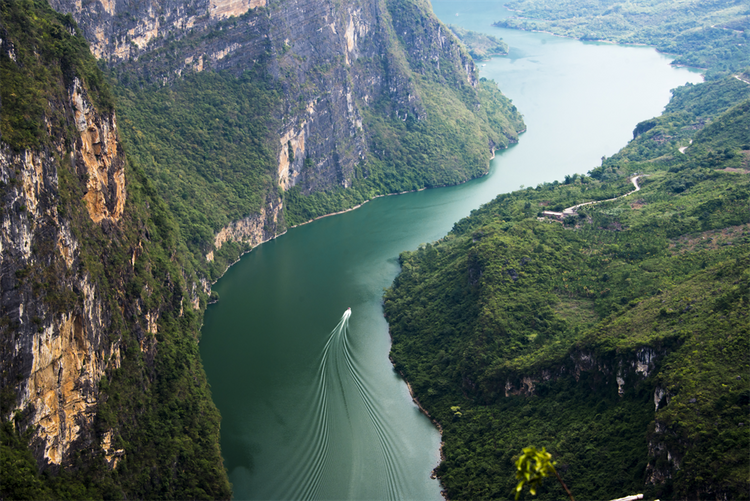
x=333 y=214
x=611 y=42
x=344 y=212
x=492 y=157
x=434 y=421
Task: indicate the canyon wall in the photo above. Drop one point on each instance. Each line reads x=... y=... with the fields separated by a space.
x=57 y=339
x=334 y=63
x=95 y=294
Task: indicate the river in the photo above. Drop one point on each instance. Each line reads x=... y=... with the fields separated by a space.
x=311 y=414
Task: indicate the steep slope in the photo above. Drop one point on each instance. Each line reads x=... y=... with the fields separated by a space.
x=350 y=100
x=100 y=311
x=616 y=336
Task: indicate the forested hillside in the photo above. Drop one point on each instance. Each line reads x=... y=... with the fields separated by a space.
x=712 y=35
x=480 y=46
x=615 y=335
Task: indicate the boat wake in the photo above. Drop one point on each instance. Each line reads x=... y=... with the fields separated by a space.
x=342 y=398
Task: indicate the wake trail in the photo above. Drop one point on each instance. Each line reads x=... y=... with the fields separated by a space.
x=387 y=447
x=337 y=372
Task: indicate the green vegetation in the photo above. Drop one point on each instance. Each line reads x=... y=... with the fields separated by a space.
x=532 y=467
x=711 y=35
x=415 y=154
x=205 y=143
x=158 y=403
x=526 y=323
x=44 y=53
x=201 y=152
x=206 y=140
x=479 y=45
x=688 y=117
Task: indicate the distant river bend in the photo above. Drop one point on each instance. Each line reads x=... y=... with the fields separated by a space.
x=309 y=413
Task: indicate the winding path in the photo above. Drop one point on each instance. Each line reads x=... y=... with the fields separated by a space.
x=572 y=210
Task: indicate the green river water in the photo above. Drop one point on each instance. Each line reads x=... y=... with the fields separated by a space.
x=312 y=410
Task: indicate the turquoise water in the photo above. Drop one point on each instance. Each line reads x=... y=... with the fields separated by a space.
x=315 y=411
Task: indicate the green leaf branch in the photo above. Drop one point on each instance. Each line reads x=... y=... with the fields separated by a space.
x=534 y=465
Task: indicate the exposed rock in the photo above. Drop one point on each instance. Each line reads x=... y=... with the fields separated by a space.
x=526 y=387
x=658 y=449
x=53 y=361
x=645 y=358
x=640 y=364
x=61 y=391
x=119 y=30
x=111 y=454
x=333 y=63
x=55 y=343
x=252 y=230
x=296 y=42
x=98 y=155
x=291 y=153
x=227 y=8
x=660 y=395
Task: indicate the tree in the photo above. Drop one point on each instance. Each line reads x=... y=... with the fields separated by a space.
x=532 y=466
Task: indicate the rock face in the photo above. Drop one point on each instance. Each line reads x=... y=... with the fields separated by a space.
x=55 y=351
x=100 y=159
x=99 y=311
x=118 y=30
x=626 y=370
x=335 y=61
x=253 y=230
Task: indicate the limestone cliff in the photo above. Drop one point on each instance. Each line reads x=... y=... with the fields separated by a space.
x=56 y=343
x=94 y=295
x=624 y=369
x=252 y=230
x=345 y=71
x=101 y=160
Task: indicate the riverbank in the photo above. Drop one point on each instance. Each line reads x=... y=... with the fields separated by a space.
x=492 y=157
x=239 y=258
x=434 y=421
x=503 y=25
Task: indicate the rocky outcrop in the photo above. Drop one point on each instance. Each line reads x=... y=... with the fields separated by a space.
x=76 y=273
x=98 y=159
x=332 y=60
x=55 y=342
x=623 y=368
x=253 y=230
x=55 y=347
x=597 y=370
x=333 y=63
x=118 y=30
